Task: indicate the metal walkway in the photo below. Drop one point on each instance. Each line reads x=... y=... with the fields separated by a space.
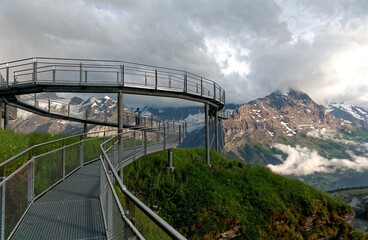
x=85 y=205
x=71 y=210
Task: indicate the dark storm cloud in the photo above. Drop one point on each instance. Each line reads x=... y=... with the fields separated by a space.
x=251 y=47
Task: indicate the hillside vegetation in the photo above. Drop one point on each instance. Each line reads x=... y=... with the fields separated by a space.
x=233 y=198
x=13 y=142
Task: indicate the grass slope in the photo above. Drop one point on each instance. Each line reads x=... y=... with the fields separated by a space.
x=203 y=202
x=13 y=142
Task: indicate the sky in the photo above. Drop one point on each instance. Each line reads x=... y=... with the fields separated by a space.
x=250 y=47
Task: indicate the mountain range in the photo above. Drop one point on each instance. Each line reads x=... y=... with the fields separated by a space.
x=322 y=145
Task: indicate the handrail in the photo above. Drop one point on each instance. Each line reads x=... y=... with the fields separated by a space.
x=151 y=214
x=2 y=164
x=159 y=77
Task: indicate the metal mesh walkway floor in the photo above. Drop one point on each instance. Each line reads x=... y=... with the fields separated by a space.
x=71 y=210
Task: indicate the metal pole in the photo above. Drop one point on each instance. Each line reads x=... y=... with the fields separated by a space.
x=31 y=176
x=81 y=150
x=7 y=75
x=1 y=113
x=214 y=90
x=156 y=80
x=201 y=86
x=122 y=74
x=120 y=125
x=80 y=74
x=164 y=135
x=179 y=134
x=170 y=159
x=53 y=74
x=34 y=75
x=216 y=132
x=63 y=160
x=134 y=144
x=207 y=133
x=2 y=212
x=145 y=142
x=6 y=116
x=186 y=82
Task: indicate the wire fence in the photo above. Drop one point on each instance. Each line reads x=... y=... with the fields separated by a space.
x=118 y=152
x=29 y=174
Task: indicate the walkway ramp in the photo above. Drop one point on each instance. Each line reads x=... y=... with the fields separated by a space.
x=71 y=210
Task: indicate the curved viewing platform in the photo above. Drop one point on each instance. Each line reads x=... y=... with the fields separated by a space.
x=41 y=74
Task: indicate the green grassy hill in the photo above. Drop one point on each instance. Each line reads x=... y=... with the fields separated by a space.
x=12 y=142
x=233 y=197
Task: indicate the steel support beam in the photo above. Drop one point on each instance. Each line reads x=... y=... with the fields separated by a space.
x=1 y=113
x=207 y=133
x=120 y=127
x=6 y=116
x=216 y=132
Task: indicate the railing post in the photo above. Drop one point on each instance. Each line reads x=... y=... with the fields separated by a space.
x=7 y=75
x=2 y=209
x=85 y=76
x=49 y=104
x=6 y=116
x=15 y=78
x=109 y=208
x=179 y=134
x=31 y=179
x=68 y=109
x=186 y=82
x=145 y=142
x=207 y=133
x=134 y=147
x=53 y=74
x=156 y=80
x=170 y=160
x=34 y=74
x=120 y=125
x=35 y=100
x=216 y=131
x=201 y=86
x=169 y=81
x=81 y=150
x=122 y=70
x=164 y=135
x=214 y=90
x=1 y=113
x=63 y=160
x=80 y=74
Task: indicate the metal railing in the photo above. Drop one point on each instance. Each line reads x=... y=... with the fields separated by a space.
x=29 y=174
x=112 y=159
x=61 y=71
x=77 y=112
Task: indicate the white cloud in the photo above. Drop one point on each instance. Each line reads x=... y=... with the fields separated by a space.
x=303 y=161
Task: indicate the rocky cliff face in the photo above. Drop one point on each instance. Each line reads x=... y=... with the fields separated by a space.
x=277 y=118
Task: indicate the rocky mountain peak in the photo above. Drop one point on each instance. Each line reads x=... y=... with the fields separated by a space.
x=277 y=117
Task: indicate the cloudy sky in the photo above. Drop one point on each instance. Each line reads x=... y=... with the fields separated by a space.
x=250 y=47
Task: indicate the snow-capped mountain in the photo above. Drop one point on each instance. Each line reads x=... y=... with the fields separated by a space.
x=278 y=116
x=103 y=109
x=357 y=116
